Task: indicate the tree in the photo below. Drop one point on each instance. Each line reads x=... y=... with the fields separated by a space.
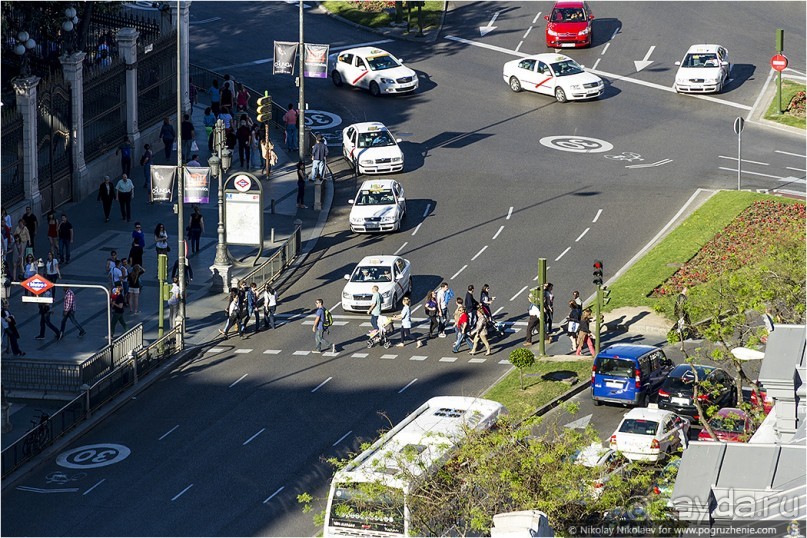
x=522 y=358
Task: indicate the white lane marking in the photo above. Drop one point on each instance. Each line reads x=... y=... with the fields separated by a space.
x=519 y=292
x=205 y=21
x=761 y=94
x=273 y=494
x=498 y=232
x=389 y=357
x=426 y=212
x=216 y=350
x=744 y=160
x=41 y=490
x=650 y=165
x=272 y=352
x=605 y=48
x=238 y=380
x=407 y=385
x=448 y=359
x=166 y=434
x=615 y=33
x=359 y=355
x=641 y=64
x=563 y=253
x=270 y=59
x=414 y=309
x=95 y=486
x=400 y=248
x=242 y=351
x=788 y=153
x=178 y=495
x=417 y=228
x=483 y=249
x=581 y=235
x=418 y=358
x=538 y=16
x=780 y=178
x=253 y=437
x=458 y=272
x=597 y=216
x=509 y=213
x=330 y=353
x=342 y=438
x=301 y=353
x=527 y=33
x=596 y=63
x=365 y=324
x=498 y=310
x=337 y=305
x=796 y=169
x=476 y=361
x=315 y=389
x=504 y=361
x=519 y=45
x=486 y=46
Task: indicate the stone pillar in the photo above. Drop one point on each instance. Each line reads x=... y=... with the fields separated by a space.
x=25 y=88
x=183 y=20
x=127 y=47
x=73 y=70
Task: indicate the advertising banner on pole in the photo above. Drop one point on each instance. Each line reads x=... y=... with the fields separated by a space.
x=316 y=61
x=162 y=183
x=197 y=185
x=283 y=64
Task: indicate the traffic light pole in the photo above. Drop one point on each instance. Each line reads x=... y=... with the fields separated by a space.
x=597 y=318
x=541 y=305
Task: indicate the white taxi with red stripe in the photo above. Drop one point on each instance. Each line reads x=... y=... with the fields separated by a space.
x=552 y=74
x=373 y=69
x=371 y=149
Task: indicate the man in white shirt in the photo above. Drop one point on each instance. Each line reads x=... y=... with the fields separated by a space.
x=535 y=314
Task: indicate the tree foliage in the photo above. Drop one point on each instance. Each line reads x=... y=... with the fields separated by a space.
x=522 y=358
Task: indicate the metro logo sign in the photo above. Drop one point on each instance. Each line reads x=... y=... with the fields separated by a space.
x=37 y=284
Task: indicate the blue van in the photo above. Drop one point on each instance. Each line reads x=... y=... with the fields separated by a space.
x=628 y=374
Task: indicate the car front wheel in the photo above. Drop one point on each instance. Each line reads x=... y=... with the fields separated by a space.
x=375 y=91
x=560 y=95
x=337 y=78
x=515 y=84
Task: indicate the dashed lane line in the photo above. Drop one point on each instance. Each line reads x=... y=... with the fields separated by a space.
x=477 y=360
x=789 y=153
x=563 y=253
x=448 y=359
x=483 y=249
x=458 y=272
x=537 y=17
x=779 y=178
x=238 y=380
x=342 y=438
x=359 y=355
x=242 y=351
x=597 y=216
x=579 y=237
x=417 y=228
x=498 y=232
x=400 y=248
x=389 y=357
x=426 y=211
x=513 y=298
x=95 y=486
x=178 y=495
x=269 y=498
x=301 y=353
x=509 y=213
x=407 y=385
x=245 y=443
x=166 y=434
x=315 y=389
x=272 y=352
x=418 y=358
x=216 y=350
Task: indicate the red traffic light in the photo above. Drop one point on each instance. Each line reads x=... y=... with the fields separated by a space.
x=598 y=264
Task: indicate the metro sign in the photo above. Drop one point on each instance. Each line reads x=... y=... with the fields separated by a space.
x=37 y=284
x=242 y=183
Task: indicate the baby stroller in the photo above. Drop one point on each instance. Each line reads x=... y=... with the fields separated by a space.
x=382 y=335
x=494 y=329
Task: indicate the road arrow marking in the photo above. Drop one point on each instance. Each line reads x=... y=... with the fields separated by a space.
x=485 y=30
x=579 y=424
x=641 y=64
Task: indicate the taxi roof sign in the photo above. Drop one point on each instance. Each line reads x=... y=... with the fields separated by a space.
x=37 y=284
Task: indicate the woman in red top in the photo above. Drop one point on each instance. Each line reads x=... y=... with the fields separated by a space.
x=53 y=233
x=242 y=99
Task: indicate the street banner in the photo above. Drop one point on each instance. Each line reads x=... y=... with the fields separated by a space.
x=162 y=183
x=316 y=61
x=197 y=185
x=285 y=52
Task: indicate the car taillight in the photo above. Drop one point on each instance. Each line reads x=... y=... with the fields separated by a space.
x=593 y=372
x=654 y=444
x=598 y=484
x=703 y=397
x=656 y=490
x=612 y=440
x=638 y=375
x=663 y=393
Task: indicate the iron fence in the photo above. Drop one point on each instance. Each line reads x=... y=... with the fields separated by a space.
x=156 y=80
x=11 y=155
x=54 y=118
x=269 y=270
x=104 y=111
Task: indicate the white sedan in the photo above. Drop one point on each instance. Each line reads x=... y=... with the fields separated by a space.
x=373 y=69
x=704 y=69
x=379 y=206
x=371 y=149
x=650 y=434
x=552 y=74
x=392 y=275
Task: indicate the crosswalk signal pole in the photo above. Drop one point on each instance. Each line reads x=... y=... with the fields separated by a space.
x=541 y=305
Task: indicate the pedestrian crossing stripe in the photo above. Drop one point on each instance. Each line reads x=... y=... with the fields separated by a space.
x=448 y=359
x=418 y=358
x=477 y=361
x=504 y=361
x=242 y=351
x=359 y=355
x=389 y=356
x=272 y=352
x=330 y=353
x=335 y=323
x=216 y=350
x=301 y=353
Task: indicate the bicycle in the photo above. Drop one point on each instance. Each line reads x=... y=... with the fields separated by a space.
x=626 y=156
x=39 y=435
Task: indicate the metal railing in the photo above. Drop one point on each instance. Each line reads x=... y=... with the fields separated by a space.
x=138 y=363
x=269 y=270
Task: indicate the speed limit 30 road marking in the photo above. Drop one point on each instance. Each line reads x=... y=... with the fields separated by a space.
x=92 y=456
x=576 y=144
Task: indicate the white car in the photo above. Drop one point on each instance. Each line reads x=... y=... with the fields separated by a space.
x=379 y=206
x=650 y=434
x=371 y=148
x=704 y=69
x=552 y=74
x=392 y=275
x=605 y=462
x=374 y=69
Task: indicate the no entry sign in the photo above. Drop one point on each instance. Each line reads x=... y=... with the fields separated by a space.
x=779 y=62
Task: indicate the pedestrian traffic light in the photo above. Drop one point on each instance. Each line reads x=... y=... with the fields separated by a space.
x=598 y=272
x=162 y=267
x=264 y=108
x=606 y=295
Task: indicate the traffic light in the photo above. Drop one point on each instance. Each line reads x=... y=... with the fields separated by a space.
x=597 y=272
x=162 y=267
x=606 y=295
x=264 y=108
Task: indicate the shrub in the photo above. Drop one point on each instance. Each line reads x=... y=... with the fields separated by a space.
x=522 y=358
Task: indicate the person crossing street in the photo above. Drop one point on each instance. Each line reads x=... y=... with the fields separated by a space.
x=69 y=312
x=319 y=329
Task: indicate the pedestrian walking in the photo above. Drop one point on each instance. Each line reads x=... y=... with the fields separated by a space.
x=578 y=301
x=52 y=271
x=269 y=156
x=227 y=94
x=30 y=268
x=471 y=305
x=17 y=257
x=406 y=321
x=116 y=274
x=243 y=134
x=118 y=309
x=135 y=285
x=32 y=224
x=173 y=302
x=187 y=273
x=444 y=297
x=232 y=311
x=209 y=119
x=573 y=323
x=215 y=97
x=106 y=193
x=242 y=99
x=319 y=328
x=480 y=331
x=318 y=155
x=65 y=233
x=290 y=118
x=124 y=279
x=125 y=194
x=45 y=312
x=430 y=307
x=11 y=331
x=534 y=313
x=270 y=297
x=138 y=244
x=227 y=118
x=256 y=147
x=549 y=311
x=461 y=325
x=167 y=135
x=301 y=185
x=53 y=233
x=252 y=307
x=125 y=152
x=161 y=239
x=375 y=308
x=188 y=136
x=69 y=312
x=196 y=228
x=486 y=300
x=194 y=162
x=584 y=334
x=145 y=161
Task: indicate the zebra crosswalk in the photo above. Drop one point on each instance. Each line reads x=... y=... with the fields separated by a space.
x=461 y=357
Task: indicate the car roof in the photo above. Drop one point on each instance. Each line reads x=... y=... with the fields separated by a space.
x=366 y=51
x=568 y=3
x=694 y=49
x=381 y=261
x=365 y=126
x=375 y=184
x=682 y=369
x=548 y=57
x=625 y=351
x=647 y=413
x=733 y=411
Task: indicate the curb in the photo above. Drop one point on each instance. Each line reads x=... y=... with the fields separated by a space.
x=764 y=101
x=431 y=37
x=569 y=394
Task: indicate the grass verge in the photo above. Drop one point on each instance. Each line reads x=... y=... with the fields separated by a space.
x=789 y=89
x=538 y=388
x=431 y=13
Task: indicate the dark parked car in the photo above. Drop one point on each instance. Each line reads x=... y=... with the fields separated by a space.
x=676 y=392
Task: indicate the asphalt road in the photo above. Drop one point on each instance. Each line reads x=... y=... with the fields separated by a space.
x=225 y=444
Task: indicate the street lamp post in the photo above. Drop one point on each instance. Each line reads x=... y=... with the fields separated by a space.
x=219 y=164
x=24 y=44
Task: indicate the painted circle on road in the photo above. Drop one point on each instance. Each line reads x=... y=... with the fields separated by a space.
x=91 y=456
x=319 y=119
x=576 y=144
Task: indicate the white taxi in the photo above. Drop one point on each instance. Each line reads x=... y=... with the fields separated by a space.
x=373 y=69
x=704 y=69
x=552 y=74
x=371 y=148
x=392 y=275
x=650 y=434
x=379 y=206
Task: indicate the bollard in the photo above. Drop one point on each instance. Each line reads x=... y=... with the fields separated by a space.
x=272 y=235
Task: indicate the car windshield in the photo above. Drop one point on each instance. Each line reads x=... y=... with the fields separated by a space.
x=376 y=139
x=615 y=367
x=638 y=426
x=379 y=63
x=568 y=14
x=379 y=197
x=732 y=423
x=565 y=68
x=371 y=274
x=701 y=60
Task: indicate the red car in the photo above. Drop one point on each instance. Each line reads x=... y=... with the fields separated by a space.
x=731 y=425
x=569 y=25
x=767 y=401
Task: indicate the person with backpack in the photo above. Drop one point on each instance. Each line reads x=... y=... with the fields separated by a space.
x=444 y=296
x=270 y=297
x=462 y=327
x=430 y=307
x=125 y=152
x=252 y=306
x=322 y=322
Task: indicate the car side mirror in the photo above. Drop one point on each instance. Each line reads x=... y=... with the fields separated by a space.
x=546 y=17
x=724 y=64
x=398 y=140
x=677 y=63
x=591 y=17
x=399 y=277
x=351 y=202
x=347 y=277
